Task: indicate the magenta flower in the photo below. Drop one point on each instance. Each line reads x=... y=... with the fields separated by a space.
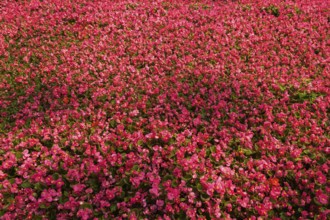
x=84 y=214
x=322 y=198
x=78 y=188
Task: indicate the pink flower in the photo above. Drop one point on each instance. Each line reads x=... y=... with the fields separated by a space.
x=227 y=171
x=134 y=113
x=84 y=214
x=160 y=203
x=78 y=188
x=46 y=196
x=2 y=175
x=275 y=192
x=220 y=186
x=244 y=202
x=321 y=178
x=322 y=198
x=173 y=194
x=154 y=191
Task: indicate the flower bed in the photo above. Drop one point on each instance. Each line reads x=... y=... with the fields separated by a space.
x=164 y=109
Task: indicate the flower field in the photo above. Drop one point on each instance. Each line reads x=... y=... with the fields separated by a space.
x=166 y=109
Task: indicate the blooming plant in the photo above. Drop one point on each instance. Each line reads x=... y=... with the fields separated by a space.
x=167 y=109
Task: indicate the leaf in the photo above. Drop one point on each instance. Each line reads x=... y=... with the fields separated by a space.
x=113 y=124
x=93 y=182
x=247 y=152
x=140 y=142
x=199 y=187
x=174 y=183
x=43 y=206
x=63 y=199
x=168 y=177
x=113 y=207
x=86 y=205
x=38 y=186
x=282 y=88
x=136 y=167
x=37 y=217
x=26 y=185
x=187 y=177
x=205 y=197
x=55 y=176
x=2 y=212
x=19 y=155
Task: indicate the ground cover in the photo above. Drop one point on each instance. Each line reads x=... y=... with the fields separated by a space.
x=164 y=109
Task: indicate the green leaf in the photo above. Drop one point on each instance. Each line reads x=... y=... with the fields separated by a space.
x=55 y=176
x=2 y=212
x=26 y=185
x=19 y=155
x=113 y=207
x=37 y=217
x=172 y=154
x=113 y=124
x=93 y=182
x=199 y=187
x=187 y=177
x=86 y=205
x=174 y=183
x=247 y=152
x=282 y=88
x=43 y=206
x=63 y=199
x=205 y=197
x=213 y=148
x=38 y=186
x=136 y=167
x=168 y=177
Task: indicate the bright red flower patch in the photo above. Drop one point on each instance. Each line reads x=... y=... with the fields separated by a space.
x=164 y=109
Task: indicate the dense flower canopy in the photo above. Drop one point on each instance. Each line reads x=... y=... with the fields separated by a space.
x=164 y=109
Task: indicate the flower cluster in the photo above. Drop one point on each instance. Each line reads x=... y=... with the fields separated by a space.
x=166 y=109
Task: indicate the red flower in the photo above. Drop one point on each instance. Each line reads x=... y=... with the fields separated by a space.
x=322 y=198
